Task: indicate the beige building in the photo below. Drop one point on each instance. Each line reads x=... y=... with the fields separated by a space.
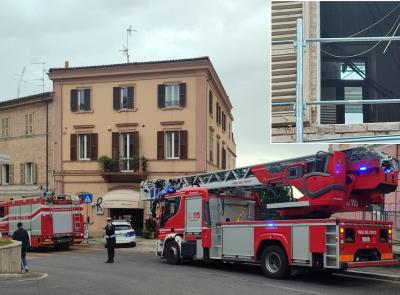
x=335 y=71
x=152 y=119
x=26 y=146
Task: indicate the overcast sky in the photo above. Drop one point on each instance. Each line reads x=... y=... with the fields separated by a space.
x=91 y=32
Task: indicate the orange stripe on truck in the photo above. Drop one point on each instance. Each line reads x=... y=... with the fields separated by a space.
x=387 y=255
x=343 y=258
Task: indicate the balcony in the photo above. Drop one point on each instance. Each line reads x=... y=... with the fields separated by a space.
x=126 y=170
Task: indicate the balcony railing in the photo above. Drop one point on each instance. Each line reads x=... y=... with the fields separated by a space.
x=129 y=164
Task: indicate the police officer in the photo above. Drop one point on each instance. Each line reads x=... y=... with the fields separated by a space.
x=110 y=240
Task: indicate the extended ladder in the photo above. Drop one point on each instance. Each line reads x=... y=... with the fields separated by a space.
x=238 y=178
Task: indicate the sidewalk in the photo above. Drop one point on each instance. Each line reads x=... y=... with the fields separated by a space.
x=142 y=245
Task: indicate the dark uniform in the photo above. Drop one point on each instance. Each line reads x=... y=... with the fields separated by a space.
x=22 y=235
x=110 y=242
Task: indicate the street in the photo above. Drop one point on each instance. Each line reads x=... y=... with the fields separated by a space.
x=83 y=271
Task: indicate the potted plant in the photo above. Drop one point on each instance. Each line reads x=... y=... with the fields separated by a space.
x=106 y=162
x=149 y=228
x=144 y=161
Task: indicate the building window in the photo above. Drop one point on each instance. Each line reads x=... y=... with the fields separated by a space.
x=83 y=100
x=29 y=173
x=218 y=110
x=172 y=144
x=223 y=121
x=5 y=174
x=218 y=154
x=84 y=146
x=172 y=96
x=129 y=150
x=211 y=148
x=80 y=100
x=123 y=98
x=28 y=124
x=210 y=103
x=5 y=127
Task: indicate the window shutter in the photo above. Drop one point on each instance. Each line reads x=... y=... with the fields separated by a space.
x=218 y=154
x=87 y=100
x=160 y=145
x=22 y=173
x=1 y=170
x=210 y=102
x=183 y=141
x=223 y=158
x=74 y=100
x=93 y=146
x=131 y=98
x=116 y=98
x=115 y=147
x=182 y=94
x=34 y=173
x=73 y=145
x=136 y=143
x=11 y=174
x=161 y=96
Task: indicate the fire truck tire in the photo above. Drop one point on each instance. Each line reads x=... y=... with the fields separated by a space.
x=172 y=253
x=274 y=262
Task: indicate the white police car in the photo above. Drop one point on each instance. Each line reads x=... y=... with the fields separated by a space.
x=124 y=233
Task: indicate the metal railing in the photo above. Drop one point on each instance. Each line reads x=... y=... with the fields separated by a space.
x=300 y=105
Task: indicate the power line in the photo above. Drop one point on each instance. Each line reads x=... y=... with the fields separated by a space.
x=366 y=51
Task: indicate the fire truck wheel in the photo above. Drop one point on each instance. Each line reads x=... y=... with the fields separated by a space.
x=274 y=262
x=172 y=253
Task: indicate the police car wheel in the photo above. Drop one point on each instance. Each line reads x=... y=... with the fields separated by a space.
x=274 y=262
x=172 y=253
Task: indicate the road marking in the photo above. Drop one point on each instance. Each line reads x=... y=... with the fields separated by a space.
x=34 y=279
x=367 y=278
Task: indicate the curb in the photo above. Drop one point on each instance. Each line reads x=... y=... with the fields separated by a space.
x=22 y=276
x=371 y=275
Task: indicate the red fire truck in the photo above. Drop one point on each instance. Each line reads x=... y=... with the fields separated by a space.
x=221 y=215
x=50 y=220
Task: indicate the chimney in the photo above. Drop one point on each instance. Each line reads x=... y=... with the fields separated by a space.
x=66 y=64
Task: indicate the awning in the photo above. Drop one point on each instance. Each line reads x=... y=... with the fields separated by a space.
x=122 y=198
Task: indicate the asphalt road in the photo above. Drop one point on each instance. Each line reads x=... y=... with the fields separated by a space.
x=83 y=272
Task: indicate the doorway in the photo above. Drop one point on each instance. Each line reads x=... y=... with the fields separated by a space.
x=134 y=215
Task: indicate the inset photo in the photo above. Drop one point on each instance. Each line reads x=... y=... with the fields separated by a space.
x=334 y=71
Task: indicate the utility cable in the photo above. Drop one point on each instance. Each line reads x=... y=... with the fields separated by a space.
x=366 y=51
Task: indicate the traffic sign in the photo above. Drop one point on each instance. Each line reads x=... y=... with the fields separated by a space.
x=87 y=198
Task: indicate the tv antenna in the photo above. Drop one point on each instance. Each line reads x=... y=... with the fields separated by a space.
x=20 y=80
x=42 y=80
x=125 y=49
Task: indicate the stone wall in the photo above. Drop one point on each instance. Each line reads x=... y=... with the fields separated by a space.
x=10 y=258
x=331 y=131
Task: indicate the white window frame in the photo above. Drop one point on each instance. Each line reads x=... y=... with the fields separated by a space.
x=173 y=134
x=123 y=91
x=81 y=99
x=29 y=177
x=129 y=153
x=28 y=124
x=5 y=127
x=4 y=178
x=85 y=147
x=172 y=95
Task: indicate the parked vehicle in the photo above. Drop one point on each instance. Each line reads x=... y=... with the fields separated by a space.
x=124 y=234
x=55 y=221
x=216 y=216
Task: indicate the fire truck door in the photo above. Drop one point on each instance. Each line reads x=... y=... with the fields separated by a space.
x=14 y=213
x=193 y=218
x=300 y=243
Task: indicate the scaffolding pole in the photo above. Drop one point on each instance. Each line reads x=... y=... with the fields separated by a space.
x=299 y=84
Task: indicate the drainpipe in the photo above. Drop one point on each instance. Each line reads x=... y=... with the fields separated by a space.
x=47 y=145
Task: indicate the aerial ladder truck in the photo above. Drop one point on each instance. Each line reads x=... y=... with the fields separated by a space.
x=217 y=216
